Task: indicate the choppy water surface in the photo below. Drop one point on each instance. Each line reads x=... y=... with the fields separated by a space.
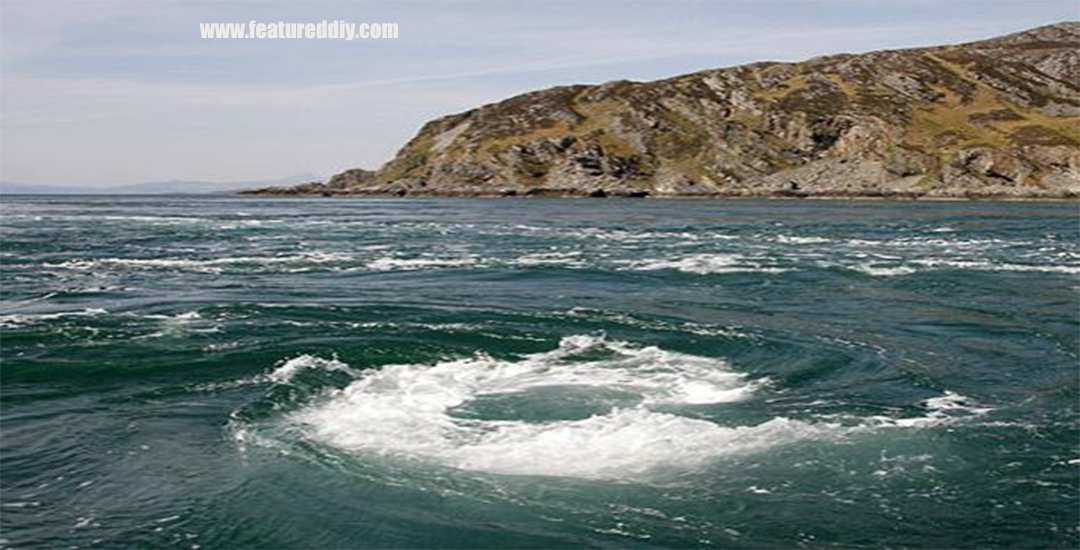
x=243 y=373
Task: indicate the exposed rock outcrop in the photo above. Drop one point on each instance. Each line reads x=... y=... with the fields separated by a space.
x=995 y=118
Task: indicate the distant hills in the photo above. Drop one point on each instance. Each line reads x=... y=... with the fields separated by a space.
x=171 y=187
x=998 y=118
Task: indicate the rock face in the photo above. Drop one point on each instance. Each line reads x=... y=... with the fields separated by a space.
x=995 y=118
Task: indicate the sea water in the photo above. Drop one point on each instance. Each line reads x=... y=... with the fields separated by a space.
x=215 y=372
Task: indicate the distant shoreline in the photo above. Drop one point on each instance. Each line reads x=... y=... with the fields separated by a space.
x=286 y=194
x=773 y=197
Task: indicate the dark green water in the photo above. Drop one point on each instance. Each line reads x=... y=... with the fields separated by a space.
x=224 y=373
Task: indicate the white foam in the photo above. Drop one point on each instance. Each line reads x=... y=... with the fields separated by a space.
x=571 y=258
x=952 y=402
x=206 y=265
x=283 y=373
x=704 y=264
x=287 y=370
x=975 y=265
x=178 y=318
x=429 y=412
x=408 y=410
x=410 y=264
x=945 y=409
x=20 y=319
x=624 y=444
x=797 y=239
x=936 y=264
x=884 y=271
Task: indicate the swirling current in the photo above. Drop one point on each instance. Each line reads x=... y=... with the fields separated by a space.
x=216 y=372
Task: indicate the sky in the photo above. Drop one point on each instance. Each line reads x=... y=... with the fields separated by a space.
x=111 y=92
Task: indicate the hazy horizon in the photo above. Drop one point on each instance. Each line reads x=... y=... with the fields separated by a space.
x=122 y=92
x=64 y=188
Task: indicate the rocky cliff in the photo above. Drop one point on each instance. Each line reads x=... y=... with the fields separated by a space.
x=995 y=118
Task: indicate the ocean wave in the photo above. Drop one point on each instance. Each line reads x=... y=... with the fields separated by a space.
x=801 y=239
x=178 y=318
x=758 y=253
x=206 y=265
x=98 y=218
x=570 y=258
x=884 y=270
x=289 y=369
x=285 y=372
x=978 y=265
x=705 y=264
x=926 y=265
x=411 y=264
x=12 y=320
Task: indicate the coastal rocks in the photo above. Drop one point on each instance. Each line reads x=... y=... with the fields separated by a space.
x=996 y=118
x=349 y=179
x=994 y=164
